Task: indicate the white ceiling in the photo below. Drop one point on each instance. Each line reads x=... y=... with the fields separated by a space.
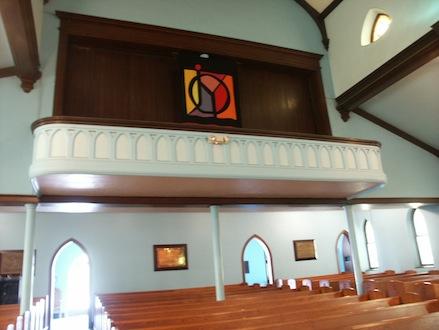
x=412 y=104
x=319 y=5
x=6 y=59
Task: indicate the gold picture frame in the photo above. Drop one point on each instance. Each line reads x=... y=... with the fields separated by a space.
x=304 y=250
x=170 y=257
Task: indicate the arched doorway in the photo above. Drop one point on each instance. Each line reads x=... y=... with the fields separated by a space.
x=344 y=256
x=257 y=262
x=70 y=287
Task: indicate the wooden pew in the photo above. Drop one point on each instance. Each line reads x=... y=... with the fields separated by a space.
x=273 y=306
x=309 y=320
x=8 y=315
x=293 y=311
x=423 y=322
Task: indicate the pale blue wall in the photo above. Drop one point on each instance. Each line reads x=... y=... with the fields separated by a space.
x=121 y=253
x=120 y=245
x=411 y=171
x=394 y=236
x=281 y=23
x=350 y=62
x=284 y=24
x=17 y=112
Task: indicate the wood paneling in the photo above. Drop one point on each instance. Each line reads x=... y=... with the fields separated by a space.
x=120 y=70
x=107 y=82
x=274 y=99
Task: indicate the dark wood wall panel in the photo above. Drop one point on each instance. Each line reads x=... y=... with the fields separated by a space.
x=111 y=69
x=275 y=99
x=106 y=83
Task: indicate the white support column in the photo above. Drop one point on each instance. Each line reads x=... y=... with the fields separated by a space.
x=354 y=249
x=27 y=277
x=217 y=255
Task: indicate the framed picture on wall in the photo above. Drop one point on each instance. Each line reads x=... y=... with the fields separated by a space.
x=304 y=250
x=11 y=262
x=170 y=257
x=209 y=86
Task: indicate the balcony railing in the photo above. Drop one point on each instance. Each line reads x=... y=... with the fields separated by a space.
x=118 y=151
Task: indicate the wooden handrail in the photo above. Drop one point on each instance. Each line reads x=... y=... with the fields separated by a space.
x=74 y=120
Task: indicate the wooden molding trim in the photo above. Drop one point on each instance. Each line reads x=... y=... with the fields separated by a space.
x=318 y=19
x=7 y=72
x=394 y=200
x=405 y=62
x=19 y=24
x=396 y=131
x=182 y=201
x=193 y=127
x=330 y=8
x=116 y=30
x=20 y=200
x=17 y=200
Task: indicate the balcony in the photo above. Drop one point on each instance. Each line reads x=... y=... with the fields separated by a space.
x=78 y=157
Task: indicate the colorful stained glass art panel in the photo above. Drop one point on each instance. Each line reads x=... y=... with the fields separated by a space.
x=209 y=94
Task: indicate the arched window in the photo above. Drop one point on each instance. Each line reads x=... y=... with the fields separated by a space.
x=371 y=245
x=257 y=262
x=70 y=286
x=380 y=26
x=422 y=239
x=375 y=25
x=343 y=249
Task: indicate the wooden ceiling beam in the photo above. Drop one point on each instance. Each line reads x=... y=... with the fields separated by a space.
x=317 y=19
x=17 y=200
x=395 y=130
x=393 y=200
x=19 y=25
x=7 y=72
x=401 y=65
x=330 y=8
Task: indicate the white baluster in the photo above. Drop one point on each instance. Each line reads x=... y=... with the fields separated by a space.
x=19 y=323
x=46 y=312
x=10 y=327
x=32 y=318
x=37 y=315
x=26 y=323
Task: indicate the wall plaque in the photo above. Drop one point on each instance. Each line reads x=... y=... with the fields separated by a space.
x=11 y=262
x=304 y=250
x=170 y=257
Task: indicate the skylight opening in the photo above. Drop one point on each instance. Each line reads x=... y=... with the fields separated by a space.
x=376 y=24
x=380 y=26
